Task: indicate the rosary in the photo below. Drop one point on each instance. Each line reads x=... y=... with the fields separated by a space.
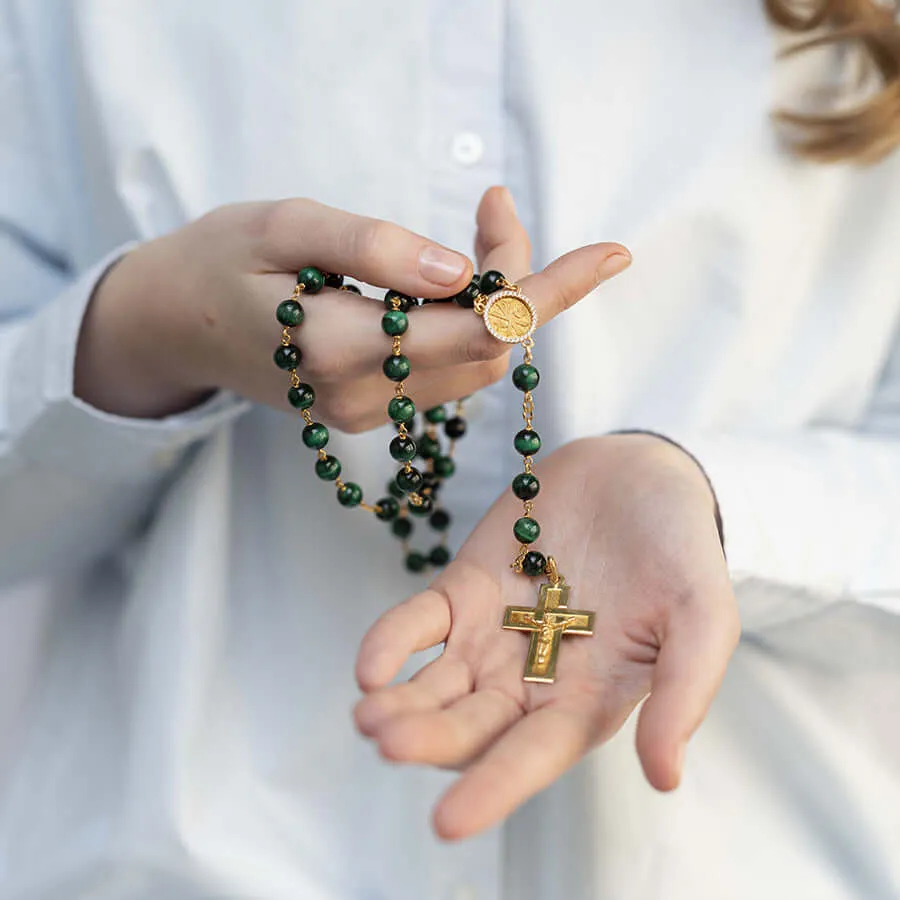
x=510 y=317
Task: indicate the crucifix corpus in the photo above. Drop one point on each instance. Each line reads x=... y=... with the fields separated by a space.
x=547 y=622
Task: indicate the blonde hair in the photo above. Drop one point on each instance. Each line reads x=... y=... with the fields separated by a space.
x=869 y=130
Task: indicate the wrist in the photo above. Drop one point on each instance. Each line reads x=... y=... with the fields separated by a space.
x=668 y=454
x=131 y=359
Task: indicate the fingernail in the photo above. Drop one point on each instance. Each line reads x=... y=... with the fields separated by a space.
x=613 y=264
x=440 y=266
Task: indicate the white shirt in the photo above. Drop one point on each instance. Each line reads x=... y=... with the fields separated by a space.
x=176 y=716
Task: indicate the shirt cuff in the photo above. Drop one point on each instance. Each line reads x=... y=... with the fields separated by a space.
x=59 y=430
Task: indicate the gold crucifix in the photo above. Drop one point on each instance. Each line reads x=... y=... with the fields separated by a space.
x=547 y=622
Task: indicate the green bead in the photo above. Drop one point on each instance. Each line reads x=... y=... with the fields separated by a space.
x=349 y=494
x=287 y=357
x=534 y=563
x=401 y=410
x=387 y=509
x=409 y=481
x=395 y=490
x=422 y=509
x=315 y=436
x=402 y=528
x=469 y=294
x=429 y=447
x=416 y=562
x=312 y=279
x=444 y=466
x=439 y=556
x=525 y=377
x=404 y=301
x=455 y=428
x=289 y=313
x=491 y=281
x=440 y=520
x=396 y=367
x=334 y=281
x=526 y=486
x=527 y=442
x=526 y=530
x=403 y=449
x=328 y=468
x=302 y=396
x=394 y=322
x=435 y=414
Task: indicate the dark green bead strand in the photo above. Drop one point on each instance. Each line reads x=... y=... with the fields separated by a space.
x=289 y=313
x=404 y=301
x=444 y=466
x=396 y=368
x=526 y=377
x=287 y=357
x=328 y=468
x=491 y=281
x=527 y=442
x=416 y=562
x=394 y=323
x=455 y=428
x=401 y=528
x=315 y=436
x=312 y=279
x=439 y=556
x=387 y=509
x=409 y=480
x=526 y=530
x=440 y=520
x=349 y=494
x=401 y=410
x=403 y=449
x=302 y=396
x=534 y=563
x=435 y=415
x=526 y=486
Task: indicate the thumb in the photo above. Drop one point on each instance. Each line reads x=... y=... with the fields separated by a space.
x=696 y=648
x=502 y=242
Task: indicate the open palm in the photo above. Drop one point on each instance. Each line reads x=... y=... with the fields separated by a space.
x=629 y=520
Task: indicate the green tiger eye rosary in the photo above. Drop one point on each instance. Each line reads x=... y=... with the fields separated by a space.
x=416 y=494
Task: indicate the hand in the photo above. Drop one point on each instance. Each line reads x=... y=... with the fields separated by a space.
x=195 y=310
x=630 y=521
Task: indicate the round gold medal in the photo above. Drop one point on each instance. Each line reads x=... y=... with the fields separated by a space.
x=510 y=316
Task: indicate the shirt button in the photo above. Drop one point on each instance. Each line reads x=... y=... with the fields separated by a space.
x=468 y=148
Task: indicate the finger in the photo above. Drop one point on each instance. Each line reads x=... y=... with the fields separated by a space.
x=571 y=277
x=529 y=757
x=690 y=667
x=417 y=624
x=452 y=736
x=299 y=233
x=442 y=681
x=502 y=242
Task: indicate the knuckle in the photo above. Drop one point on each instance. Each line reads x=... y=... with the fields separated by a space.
x=281 y=218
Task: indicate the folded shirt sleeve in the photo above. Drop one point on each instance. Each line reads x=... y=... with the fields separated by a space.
x=75 y=482
x=817 y=509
